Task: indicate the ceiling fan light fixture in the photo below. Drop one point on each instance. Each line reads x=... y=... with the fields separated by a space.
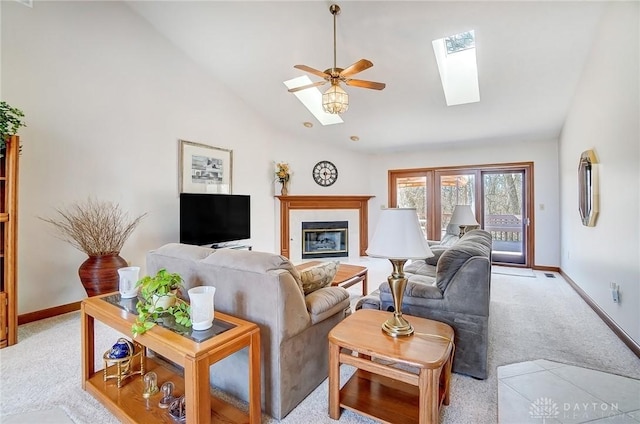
x=335 y=100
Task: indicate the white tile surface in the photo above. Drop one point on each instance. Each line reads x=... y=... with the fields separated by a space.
x=621 y=393
x=617 y=419
x=570 y=394
x=518 y=369
x=513 y=408
x=548 y=365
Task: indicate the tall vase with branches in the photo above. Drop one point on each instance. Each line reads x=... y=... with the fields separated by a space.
x=99 y=229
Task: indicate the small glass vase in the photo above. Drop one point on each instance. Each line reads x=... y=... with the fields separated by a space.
x=284 y=190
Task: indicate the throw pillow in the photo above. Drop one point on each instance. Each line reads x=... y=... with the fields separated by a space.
x=318 y=276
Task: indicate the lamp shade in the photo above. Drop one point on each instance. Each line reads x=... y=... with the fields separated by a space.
x=335 y=100
x=398 y=236
x=463 y=215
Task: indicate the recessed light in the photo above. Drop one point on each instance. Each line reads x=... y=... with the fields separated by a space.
x=354 y=138
x=307 y=124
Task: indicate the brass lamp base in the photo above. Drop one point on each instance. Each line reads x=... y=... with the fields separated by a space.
x=397 y=325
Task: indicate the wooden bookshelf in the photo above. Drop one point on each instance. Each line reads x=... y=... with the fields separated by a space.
x=8 y=247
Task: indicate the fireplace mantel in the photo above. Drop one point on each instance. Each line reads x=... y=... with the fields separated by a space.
x=288 y=203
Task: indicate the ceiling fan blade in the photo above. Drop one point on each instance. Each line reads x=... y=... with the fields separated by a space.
x=304 y=87
x=359 y=66
x=365 y=84
x=312 y=71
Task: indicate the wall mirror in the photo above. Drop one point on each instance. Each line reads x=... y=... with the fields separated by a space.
x=588 y=188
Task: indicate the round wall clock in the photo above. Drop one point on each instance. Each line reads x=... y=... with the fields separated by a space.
x=325 y=173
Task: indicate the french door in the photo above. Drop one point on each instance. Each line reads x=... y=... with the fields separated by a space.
x=499 y=195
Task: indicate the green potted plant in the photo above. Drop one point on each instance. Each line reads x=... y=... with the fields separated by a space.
x=10 y=122
x=158 y=299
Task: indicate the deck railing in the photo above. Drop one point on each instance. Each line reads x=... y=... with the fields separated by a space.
x=504 y=227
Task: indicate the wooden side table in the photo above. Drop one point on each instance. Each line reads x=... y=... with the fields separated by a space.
x=346 y=275
x=127 y=402
x=379 y=390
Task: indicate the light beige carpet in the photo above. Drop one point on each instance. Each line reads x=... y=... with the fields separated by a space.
x=530 y=318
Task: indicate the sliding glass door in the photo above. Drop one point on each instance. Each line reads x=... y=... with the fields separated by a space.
x=500 y=197
x=504 y=214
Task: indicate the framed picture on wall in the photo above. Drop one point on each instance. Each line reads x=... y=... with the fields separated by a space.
x=204 y=168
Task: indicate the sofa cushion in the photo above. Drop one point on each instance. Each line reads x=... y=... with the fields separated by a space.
x=184 y=251
x=325 y=302
x=259 y=262
x=415 y=289
x=318 y=276
x=420 y=267
x=437 y=252
x=473 y=243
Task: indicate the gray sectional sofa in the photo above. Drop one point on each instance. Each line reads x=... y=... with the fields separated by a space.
x=263 y=288
x=452 y=287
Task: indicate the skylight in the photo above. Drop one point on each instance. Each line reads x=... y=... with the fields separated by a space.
x=311 y=98
x=456 y=57
x=459 y=42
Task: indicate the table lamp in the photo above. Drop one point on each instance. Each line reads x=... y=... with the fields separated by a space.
x=462 y=217
x=398 y=237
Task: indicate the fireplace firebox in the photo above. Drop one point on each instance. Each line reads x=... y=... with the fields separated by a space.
x=325 y=239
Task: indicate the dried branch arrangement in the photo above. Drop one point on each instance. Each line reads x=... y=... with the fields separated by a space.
x=94 y=227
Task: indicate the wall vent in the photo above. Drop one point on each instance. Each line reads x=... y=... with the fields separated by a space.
x=549 y=275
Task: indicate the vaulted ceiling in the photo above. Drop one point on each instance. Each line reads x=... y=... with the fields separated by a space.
x=530 y=56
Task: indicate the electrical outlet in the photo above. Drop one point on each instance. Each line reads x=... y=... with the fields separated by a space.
x=615 y=292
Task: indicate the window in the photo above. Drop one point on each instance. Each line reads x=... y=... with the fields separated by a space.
x=456 y=57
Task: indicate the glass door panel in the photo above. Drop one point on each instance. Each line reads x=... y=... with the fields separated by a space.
x=458 y=189
x=411 y=192
x=504 y=214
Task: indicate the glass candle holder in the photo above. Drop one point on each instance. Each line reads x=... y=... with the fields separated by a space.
x=150 y=384
x=167 y=395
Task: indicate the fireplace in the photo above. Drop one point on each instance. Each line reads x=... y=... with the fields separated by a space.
x=325 y=239
x=293 y=208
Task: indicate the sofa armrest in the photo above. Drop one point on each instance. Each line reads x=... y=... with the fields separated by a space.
x=326 y=302
x=415 y=289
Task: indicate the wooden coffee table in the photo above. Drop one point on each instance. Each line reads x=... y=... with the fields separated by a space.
x=379 y=390
x=346 y=276
x=194 y=357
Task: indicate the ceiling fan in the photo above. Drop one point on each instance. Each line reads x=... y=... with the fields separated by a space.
x=335 y=99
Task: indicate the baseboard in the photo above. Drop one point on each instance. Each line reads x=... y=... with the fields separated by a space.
x=626 y=339
x=48 y=313
x=546 y=268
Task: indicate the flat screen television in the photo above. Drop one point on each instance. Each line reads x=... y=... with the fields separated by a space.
x=211 y=219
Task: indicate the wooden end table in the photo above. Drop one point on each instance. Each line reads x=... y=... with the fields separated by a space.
x=127 y=403
x=346 y=275
x=384 y=392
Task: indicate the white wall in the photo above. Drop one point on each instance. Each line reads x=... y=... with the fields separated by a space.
x=543 y=153
x=106 y=100
x=604 y=116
